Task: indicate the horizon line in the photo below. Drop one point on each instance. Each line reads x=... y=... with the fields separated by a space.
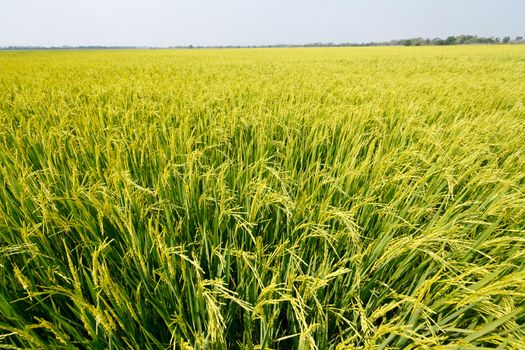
x=465 y=39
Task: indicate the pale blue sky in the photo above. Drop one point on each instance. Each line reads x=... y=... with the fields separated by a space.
x=250 y=22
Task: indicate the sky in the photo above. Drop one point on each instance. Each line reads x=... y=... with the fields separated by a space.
x=250 y=22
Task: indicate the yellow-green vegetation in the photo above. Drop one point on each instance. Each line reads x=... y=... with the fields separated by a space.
x=349 y=198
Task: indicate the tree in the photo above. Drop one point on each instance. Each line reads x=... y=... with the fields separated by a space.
x=506 y=39
x=451 y=40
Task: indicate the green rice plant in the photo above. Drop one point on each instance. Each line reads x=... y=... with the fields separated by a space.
x=335 y=198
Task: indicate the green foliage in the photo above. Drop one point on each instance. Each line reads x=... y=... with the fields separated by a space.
x=453 y=40
x=263 y=199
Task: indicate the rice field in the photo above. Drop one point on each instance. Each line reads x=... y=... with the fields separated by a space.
x=334 y=198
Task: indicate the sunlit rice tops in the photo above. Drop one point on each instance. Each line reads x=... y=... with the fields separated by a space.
x=354 y=198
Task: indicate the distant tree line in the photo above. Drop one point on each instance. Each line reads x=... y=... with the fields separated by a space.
x=451 y=40
x=458 y=40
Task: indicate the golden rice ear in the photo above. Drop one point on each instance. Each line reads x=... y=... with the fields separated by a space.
x=351 y=198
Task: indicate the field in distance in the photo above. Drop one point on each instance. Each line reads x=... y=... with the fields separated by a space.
x=334 y=198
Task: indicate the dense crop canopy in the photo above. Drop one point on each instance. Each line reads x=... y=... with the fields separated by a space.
x=349 y=198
